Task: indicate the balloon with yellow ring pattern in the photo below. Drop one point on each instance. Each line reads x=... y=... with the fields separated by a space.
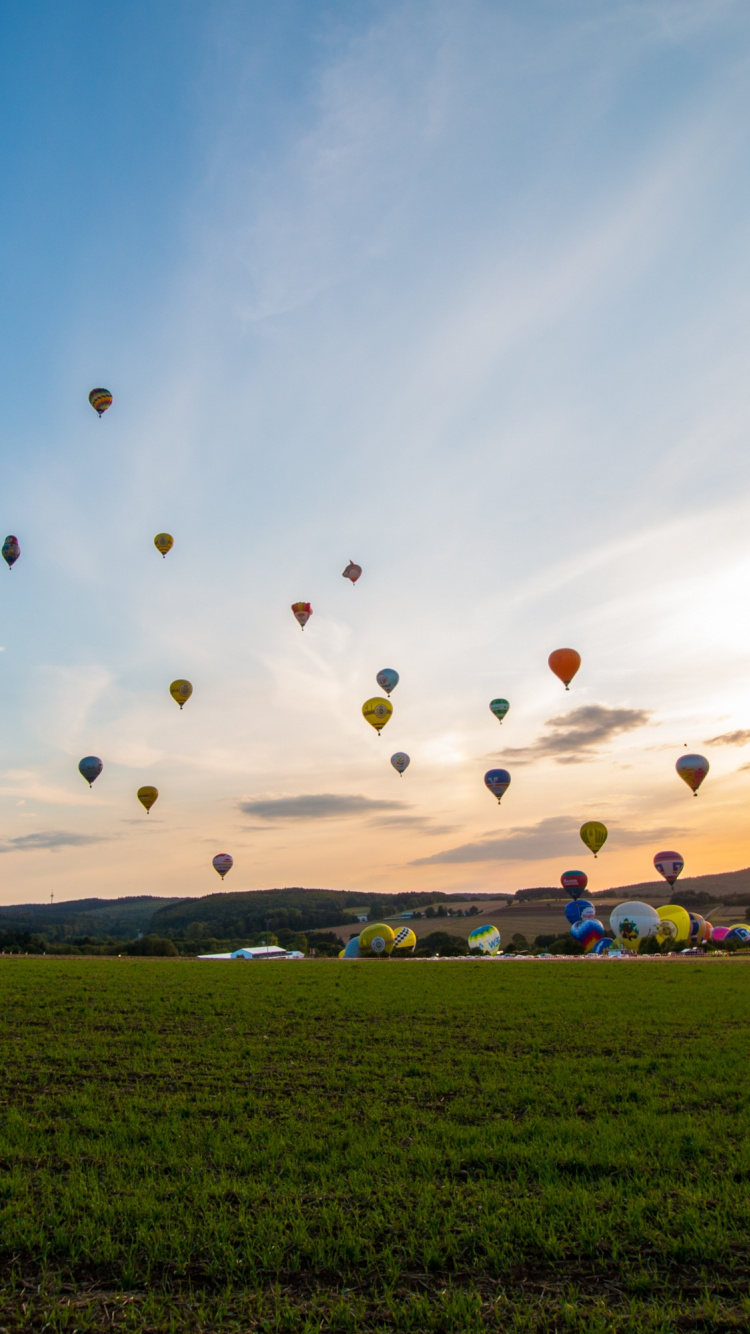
x=181 y=692
x=377 y=711
x=163 y=542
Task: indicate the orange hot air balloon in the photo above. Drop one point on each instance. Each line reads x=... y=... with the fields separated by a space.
x=564 y=662
x=302 y=613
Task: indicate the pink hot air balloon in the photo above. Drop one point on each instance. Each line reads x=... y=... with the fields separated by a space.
x=222 y=863
x=302 y=612
x=352 y=571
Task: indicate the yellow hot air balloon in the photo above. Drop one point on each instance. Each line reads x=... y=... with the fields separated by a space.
x=377 y=711
x=147 y=796
x=163 y=542
x=594 y=835
x=404 y=939
x=181 y=691
x=377 y=939
x=675 y=923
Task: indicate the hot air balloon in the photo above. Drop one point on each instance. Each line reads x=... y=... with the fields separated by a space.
x=163 y=542
x=302 y=613
x=739 y=934
x=485 y=939
x=147 y=796
x=11 y=550
x=692 y=770
x=377 y=939
x=675 y=923
x=400 y=761
x=387 y=679
x=669 y=864
x=90 y=767
x=352 y=571
x=377 y=711
x=100 y=400
x=222 y=863
x=498 y=782
x=499 y=707
x=575 y=882
x=594 y=835
x=720 y=934
x=564 y=662
x=603 y=946
x=352 y=950
x=181 y=691
x=634 y=922
x=578 y=910
x=588 y=932
x=404 y=939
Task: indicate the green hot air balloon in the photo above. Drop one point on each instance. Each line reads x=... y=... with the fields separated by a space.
x=499 y=707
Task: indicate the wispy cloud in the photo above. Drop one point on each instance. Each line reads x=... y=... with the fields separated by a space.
x=316 y=806
x=557 y=835
x=739 y=738
x=49 y=840
x=572 y=737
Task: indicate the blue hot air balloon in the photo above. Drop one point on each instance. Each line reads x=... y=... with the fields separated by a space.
x=498 y=782
x=387 y=679
x=352 y=950
x=90 y=767
x=579 y=910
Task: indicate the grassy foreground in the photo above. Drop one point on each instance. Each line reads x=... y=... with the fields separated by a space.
x=374 y=1146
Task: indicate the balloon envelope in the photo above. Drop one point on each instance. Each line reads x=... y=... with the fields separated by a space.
x=377 y=939
x=499 y=707
x=352 y=950
x=634 y=922
x=90 y=767
x=147 y=796
x=400 y=761
x=497 y=781
x=302 y=612
x=594 y=835
x=692 y=770
x=575 y=882
x=485 y=939
x=387 y=679
x=669 y=864
x=588 y=932
x=163 y=542
x=100 y=400
x=564 y=662
x=11 y=550
x=377 y=711
x=738 y=934
x=675 y=923
x=603 y=946
x=578 y=910
x=222 y=863
x=404 y=939
x=720 y=934
x=352 y=571
x=181 y=691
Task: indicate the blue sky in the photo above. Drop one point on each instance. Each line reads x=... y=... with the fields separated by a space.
x=456 y=291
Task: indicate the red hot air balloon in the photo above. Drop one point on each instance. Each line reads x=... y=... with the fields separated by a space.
x=222 y=863
x=302 y=612
x=692 y=770
x=575 y=882
x=564 y=662
x=352 y=571
x=669 y=864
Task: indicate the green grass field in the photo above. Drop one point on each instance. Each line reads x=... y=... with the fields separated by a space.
x=374 y=1146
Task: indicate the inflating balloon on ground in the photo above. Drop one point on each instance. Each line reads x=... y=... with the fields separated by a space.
x=485 y=939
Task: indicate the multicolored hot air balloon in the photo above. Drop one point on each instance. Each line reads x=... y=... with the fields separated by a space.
x=147 y=796
x=90 y=767
x=100 y=400
x=11 y=550
x=163 y=542
x=594 y=835
x=302 y=613
x=378 y=938
x=564 y=662
x=497 y=781
x=400 y=761
x=575 y=882
x=499 y=707
x=352 y=571
x=669 y=864
x=579 y=910
x=588 y=932
x=181 y=692
x=388 y=679
x=222 y=863
x=634 y=922
x=485 y=939
x=692 y=770
x=377 y=711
